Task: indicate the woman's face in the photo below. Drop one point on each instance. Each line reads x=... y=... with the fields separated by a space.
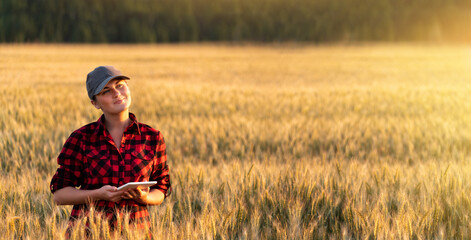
x=114 y=98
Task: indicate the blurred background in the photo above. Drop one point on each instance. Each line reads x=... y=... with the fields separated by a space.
x=318 y=21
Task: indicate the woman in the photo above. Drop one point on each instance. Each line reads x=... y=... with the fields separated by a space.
x=108 y=153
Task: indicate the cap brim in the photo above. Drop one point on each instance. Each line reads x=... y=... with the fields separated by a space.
x=103 y=84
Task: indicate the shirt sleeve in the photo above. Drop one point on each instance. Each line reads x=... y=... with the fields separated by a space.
x=70 y=163
x=160 y=173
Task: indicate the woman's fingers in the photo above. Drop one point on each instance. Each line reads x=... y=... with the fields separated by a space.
x=127 y=195
x=132 y=193
x=110 y=193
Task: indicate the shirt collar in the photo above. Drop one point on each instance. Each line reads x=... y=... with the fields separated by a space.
x=132 y=128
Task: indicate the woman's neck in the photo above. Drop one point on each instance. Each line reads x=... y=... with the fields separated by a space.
x=115 y=122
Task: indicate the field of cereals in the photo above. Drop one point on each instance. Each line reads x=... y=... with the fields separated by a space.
x=270 y=142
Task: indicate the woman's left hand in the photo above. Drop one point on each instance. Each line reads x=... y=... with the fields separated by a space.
x=137 y=194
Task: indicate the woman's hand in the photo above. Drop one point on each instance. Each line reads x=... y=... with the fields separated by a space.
x=109 y=193
x=137 y=194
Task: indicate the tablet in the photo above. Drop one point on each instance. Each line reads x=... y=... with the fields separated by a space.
x=131 y=185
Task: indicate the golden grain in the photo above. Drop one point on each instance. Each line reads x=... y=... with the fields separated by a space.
x=263 y=141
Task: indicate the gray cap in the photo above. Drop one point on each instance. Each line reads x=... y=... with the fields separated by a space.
x=99 y=77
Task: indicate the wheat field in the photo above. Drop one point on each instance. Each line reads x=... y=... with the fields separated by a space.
x=281 y=141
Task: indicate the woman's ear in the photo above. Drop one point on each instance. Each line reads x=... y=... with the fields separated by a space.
x=95 y=104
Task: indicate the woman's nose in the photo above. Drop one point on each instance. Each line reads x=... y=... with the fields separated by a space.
x=115 y=92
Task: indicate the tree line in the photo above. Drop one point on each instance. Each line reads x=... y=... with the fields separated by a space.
x=124 y=21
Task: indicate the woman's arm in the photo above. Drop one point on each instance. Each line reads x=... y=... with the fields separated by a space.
x=72 y=196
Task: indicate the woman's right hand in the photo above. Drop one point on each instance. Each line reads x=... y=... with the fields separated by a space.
x=109 y=193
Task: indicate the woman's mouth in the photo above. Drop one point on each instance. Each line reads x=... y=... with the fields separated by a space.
x=119 y=101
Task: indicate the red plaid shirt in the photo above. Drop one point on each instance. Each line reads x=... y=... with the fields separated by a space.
x=90 y=160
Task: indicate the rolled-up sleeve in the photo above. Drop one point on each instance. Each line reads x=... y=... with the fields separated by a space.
x=70 y=163
x=160 y=172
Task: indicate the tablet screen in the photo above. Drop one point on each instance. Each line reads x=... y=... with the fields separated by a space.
x=136 y=185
